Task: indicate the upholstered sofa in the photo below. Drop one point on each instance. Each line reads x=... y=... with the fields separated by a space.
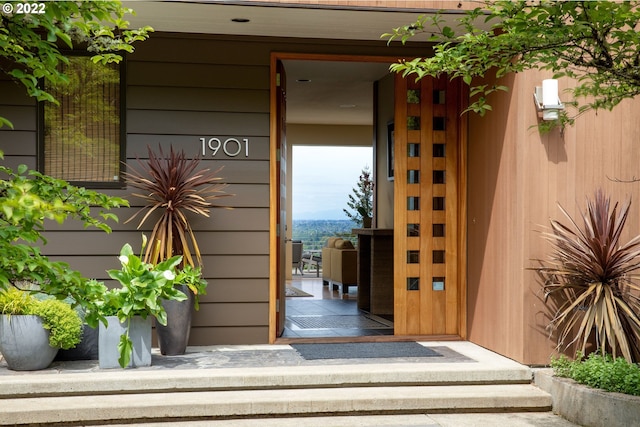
x=339 y=264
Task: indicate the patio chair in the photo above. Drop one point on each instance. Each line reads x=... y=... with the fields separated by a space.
x=296 y=255
x=311 y=259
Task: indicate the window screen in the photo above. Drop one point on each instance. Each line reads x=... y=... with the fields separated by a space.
x=81 y=137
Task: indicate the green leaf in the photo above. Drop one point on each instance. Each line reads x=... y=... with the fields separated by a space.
x=5 y=122
x=564 y=38
x=125 y=350
x=448 y=32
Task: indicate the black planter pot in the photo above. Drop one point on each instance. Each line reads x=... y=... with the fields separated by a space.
x=87 y=348
x=174 y=338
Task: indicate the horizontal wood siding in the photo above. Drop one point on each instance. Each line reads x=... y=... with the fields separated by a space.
x=181 y=88
x=137 y=145
x=234 y=335
x=216 y=266
x=18 y=144
x=178 y=103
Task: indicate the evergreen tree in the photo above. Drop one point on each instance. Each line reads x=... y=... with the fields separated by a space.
x=361 y=201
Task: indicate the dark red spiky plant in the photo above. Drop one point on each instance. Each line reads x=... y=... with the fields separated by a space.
x=589 y=275
x=174 y=187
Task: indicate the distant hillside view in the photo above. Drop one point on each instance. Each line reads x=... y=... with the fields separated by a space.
x=315 y=232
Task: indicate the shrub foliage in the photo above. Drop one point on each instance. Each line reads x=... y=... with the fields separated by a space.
x=600 y=371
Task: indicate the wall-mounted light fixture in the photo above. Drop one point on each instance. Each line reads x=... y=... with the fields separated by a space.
x=547 y=99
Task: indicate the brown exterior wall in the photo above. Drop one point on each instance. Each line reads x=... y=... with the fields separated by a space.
x=181 y=88
x=516 y=178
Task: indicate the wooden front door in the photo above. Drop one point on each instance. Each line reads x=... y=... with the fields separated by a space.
x=429 y=208
x=277 y=191
x=281 y=162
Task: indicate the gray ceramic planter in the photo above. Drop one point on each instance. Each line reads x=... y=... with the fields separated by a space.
x=174 y=338
x=109 y=337
x=24 y=343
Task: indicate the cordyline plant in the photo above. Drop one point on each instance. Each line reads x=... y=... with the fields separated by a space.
x=174 y=187
x=589 y=277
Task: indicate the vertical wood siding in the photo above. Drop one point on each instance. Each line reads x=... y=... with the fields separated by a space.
x=516 y=179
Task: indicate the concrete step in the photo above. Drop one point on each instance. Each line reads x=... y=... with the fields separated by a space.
x=246 y=404
x=475 y=419
x=134 y=381
x=271 y=383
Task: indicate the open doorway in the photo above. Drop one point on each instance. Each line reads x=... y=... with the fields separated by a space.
x=333 y=115
x=419 y=230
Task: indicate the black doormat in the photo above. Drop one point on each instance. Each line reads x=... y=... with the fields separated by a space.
x=363 y=350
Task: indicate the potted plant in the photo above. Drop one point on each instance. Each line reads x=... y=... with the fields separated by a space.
x=32 y=330
x=125 y=337
x=361 y=201
x=173 y=188
x=173 y=337
x=27 y=200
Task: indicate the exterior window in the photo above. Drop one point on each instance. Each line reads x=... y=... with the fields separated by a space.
x=82 y=138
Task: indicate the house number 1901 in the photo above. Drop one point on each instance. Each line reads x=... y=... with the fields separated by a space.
x=232 y=147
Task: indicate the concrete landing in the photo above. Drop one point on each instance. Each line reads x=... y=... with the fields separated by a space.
x=236 y=383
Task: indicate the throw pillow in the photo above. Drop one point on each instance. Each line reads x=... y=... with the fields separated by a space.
x=331 y=242
x=344 y=244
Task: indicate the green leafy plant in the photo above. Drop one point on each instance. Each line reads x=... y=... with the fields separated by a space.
x=192 y=277
x=174 y=187
x=143 y=286
x=27 y=200
x=361 y=200
x=29 y=58
x=588 y=279
x=594 y=42
x=63 y=323
x=600 y=371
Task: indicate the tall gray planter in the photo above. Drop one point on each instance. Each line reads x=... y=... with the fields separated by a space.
x=24 y=343
x=109 y=337
x=174 y=337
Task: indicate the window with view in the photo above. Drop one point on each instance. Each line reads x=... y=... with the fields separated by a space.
x=82 y=138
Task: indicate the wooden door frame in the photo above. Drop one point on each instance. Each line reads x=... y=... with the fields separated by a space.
x=274 y=190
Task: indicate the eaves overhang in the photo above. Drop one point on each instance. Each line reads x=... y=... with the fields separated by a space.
x=276 y=19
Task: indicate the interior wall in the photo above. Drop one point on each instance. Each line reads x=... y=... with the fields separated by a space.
x=307 y=134
x=517 y=177
x=383 y=185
